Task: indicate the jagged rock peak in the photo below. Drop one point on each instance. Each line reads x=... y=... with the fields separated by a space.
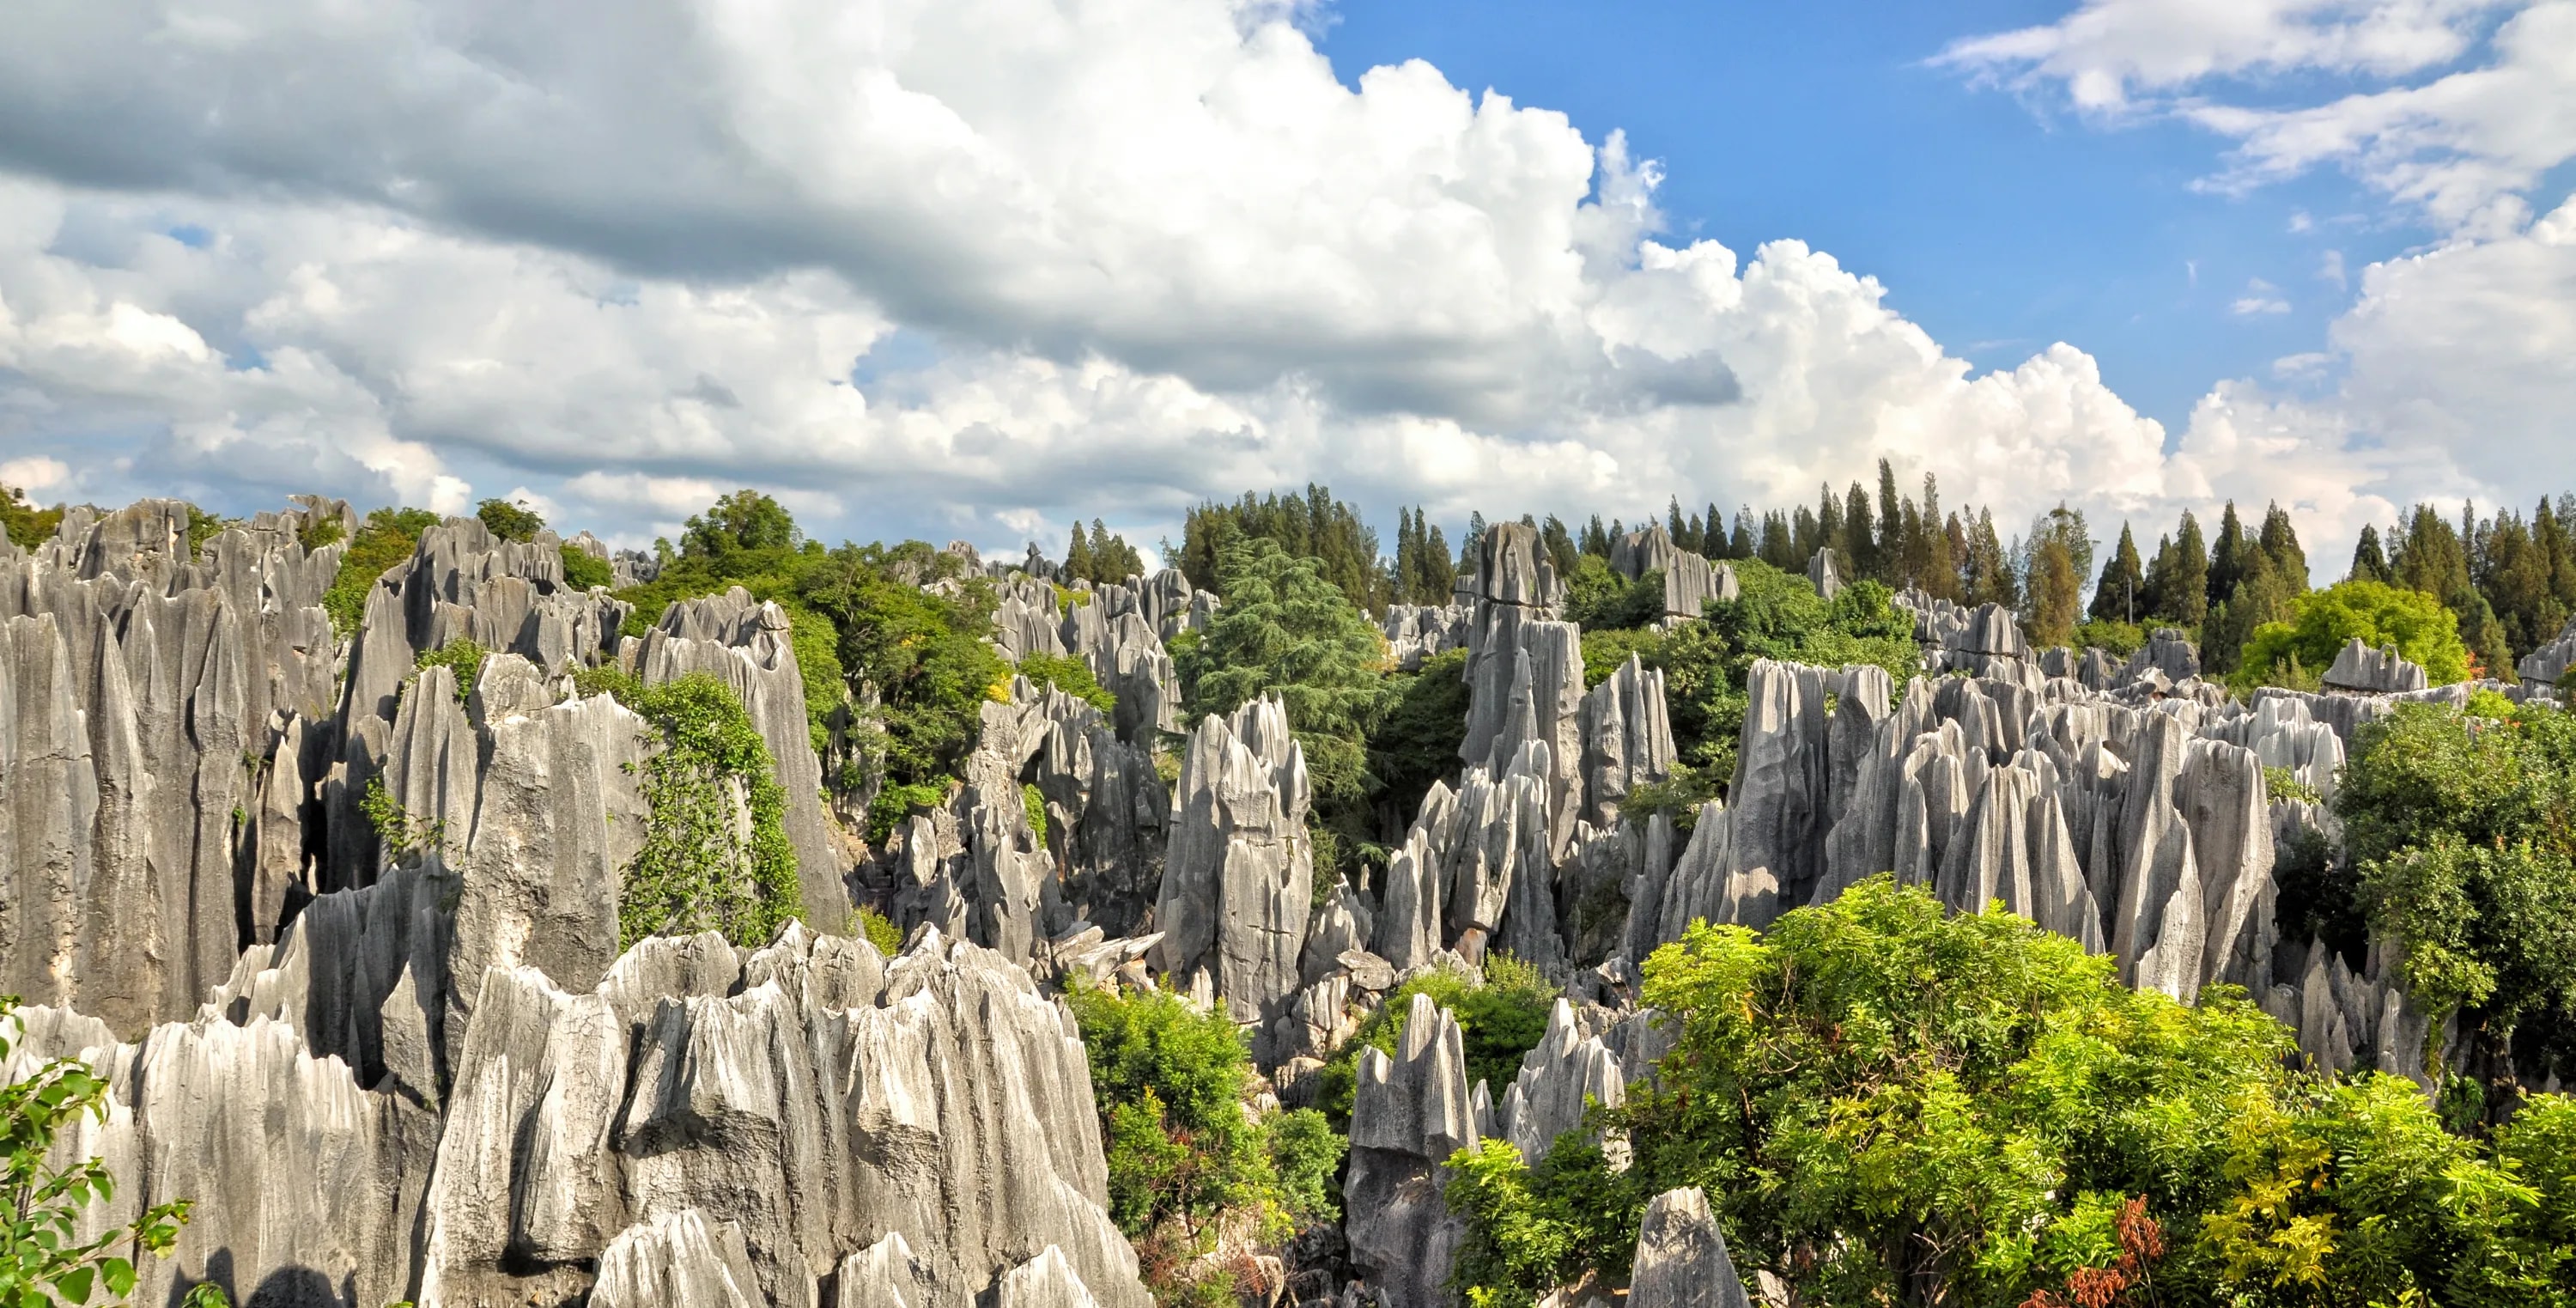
x=1681 y=1259
x=2361 y=669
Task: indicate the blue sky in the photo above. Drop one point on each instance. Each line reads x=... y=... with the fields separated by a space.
x=973 y=269
x=2000 y=222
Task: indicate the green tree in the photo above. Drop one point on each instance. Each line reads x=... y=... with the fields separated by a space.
x=1889 y=1103
x=2322 y=621
x=1417 y=742
x=1501 y=1009
x=385 y=540
x=510 y=521
x=2261 y=596
x=27 y=526
x=744 y=521
x=2179 y=576
x=1312 y=526
x=2227 y=557
x=1184 y=1149
x=2280 y=544
x=2124 y=583
x=583 y=572
x=2368 y=564
x=2055 y=588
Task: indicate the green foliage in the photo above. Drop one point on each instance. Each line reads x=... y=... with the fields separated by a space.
x=1312 y=526
x=921 y=656
x=43 y=1261
x=2489 y=704
x=1035 y=802
x=745 y=522
x=698 y=869
x=2488 y=928
x=2111 y=636
x=879 y=930
x=1531 y=1230
x=510 y=521
x=898 y=800
x=2282 y=783
x=320 y=530
x=1070 y=674
x=405 y=836
x=27 y=525
x=1889 y=1103
x=203 y=527
x=1417 y=743
x=383 y=541
x=583 y=572
x=1679 y=796
x=1285 y=630
x=1103 y=559
x=462 y=657
x=1501 y=1012
x=1171 y=1086
x=1599 y=599
x=2322 y=621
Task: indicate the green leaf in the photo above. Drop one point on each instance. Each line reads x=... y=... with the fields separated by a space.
x=74 y=1285
x=119 y=1275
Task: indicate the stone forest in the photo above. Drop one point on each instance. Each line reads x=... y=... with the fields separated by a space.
x=1853 y=904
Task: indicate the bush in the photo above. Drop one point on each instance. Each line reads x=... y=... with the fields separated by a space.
x=879 y=930
x=1889 y=1103
x=460 y=656
x=2321 y=622
x=512 y=522
x=1501 y=1013
x=1071 y=674
x=383 y=541
x=2120 y=639
x=583 y=572
x=1185 y=1155
x=696 y=871
x=27 y=526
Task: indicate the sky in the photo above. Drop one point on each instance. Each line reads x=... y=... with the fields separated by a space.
x=975 y=269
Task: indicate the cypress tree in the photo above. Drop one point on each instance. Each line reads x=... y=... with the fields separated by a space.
x=1673 y=521
x=2262 y=595
x=1740 y=545
x=1891 y=524
x=2368 y=564
x=2280 y=543
x=1561 y=553
x=2054 y=590
x=1829 y=520
x=2186 y=600
x=1439 y=574
x=1990 y=574
x=1866 y=561
x=1077 y=558
x=2123 y=585
x=2227 y=560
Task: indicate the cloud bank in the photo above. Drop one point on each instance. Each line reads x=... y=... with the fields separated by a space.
x=974 y=267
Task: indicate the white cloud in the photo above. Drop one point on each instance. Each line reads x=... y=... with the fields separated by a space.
x=967 y=269
x=2260 y=297
x=34 y=475
x=2484 y=118
x=2109 y=52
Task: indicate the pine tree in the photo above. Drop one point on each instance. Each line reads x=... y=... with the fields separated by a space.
x=1829 y=523
x=1990 y=573
x=2123 y=583
x=1561 y=553
x=1077 y=558
x=2280 y=543
x=1741 y=544
x=2368 y=564
x=1806 y=536
x=2262 y=595
x=1891 y=525
x=2055 y=588
x=1673 y=521
x=2183 y=598
x=2227 y=560
x=1947 y=581
x=2549 y=534
x=1860 y=527
x=1439 y=574
x=1779 y=544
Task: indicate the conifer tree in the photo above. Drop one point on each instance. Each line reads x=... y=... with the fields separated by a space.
x=1859 y=526
x=2262 y=595
x=2368 y=563
x=1891 y=525
x=2227 y=555
x=2182 y=594
x=1741 y=544
x=1077 y=557
x=1990 y=573
x=2123 y=583
x=2280 y=542
x=2054 y=592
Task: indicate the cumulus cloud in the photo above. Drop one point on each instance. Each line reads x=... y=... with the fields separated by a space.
x=964 y=269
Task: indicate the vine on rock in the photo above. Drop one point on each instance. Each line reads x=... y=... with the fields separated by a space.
x=715 y=853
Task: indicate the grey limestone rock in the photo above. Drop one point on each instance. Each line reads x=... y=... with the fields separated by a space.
x=2359 y=668
x=1239 y=876
x=1415 y=632
x=679 y=1259
x=1627 y=738
x=2549 y=663
x=1681 y=1259
x=1408 y=1114
x=1823 y=574
x=1567 y=1072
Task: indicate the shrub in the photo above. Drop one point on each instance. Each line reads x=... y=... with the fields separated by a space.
x=461 y=656
x=696 y=870
x=1890 y=1103
x=1501 y=1013
x=1417 y=742
x=879 y=930
x=2321 y=622
x=583 y=572
x=1071 y=674
x=383 y=541
x=27 y=526
x=512 y=522
x=2120 y=639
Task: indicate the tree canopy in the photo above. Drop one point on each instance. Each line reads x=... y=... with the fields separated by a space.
x=2320 y=623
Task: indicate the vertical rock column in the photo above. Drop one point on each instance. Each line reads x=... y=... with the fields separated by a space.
x=1240 y=874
